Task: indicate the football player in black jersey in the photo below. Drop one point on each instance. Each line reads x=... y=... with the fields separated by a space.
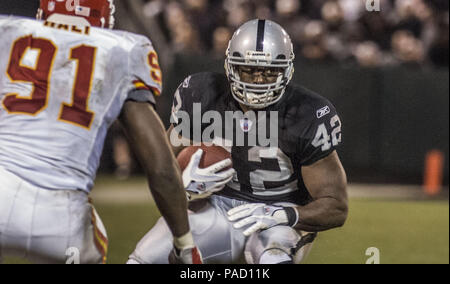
x=279 y=195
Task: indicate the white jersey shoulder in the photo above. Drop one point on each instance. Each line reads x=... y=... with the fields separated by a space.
x=63 y=88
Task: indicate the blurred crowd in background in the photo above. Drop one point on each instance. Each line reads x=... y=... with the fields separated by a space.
x=403 y=31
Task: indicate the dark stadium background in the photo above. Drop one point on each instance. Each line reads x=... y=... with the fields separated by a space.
x=393 y=113
x=387 y=74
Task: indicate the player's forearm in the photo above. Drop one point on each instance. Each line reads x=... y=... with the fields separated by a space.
x=326 y=181
x=322 y=214
x=167 y=190
x=166 y=185
x=147 y=138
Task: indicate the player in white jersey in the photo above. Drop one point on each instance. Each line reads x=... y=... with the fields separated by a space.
x=63 y=82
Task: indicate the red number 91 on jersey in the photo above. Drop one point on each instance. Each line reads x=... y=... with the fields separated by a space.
x=77 y=112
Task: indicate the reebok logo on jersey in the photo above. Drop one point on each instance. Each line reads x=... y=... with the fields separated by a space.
x=323 y=111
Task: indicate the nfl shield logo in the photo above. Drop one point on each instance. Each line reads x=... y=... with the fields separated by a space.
x=246 y=124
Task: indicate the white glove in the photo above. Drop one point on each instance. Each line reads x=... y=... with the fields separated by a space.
x=201 y=183
x=260 y=216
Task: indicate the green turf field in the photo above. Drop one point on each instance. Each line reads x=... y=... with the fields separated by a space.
x=403 y=231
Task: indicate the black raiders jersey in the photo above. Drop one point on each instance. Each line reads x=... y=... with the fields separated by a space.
x=268 y=146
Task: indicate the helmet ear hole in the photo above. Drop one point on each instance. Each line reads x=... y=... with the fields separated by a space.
x=237 y=54
x=281 y=56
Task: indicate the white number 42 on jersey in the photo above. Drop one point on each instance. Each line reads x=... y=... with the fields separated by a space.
x=322 y=137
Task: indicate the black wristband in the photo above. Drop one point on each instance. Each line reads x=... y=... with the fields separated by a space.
x=292 y=216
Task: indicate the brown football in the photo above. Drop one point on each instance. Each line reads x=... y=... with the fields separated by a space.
x=211 y=155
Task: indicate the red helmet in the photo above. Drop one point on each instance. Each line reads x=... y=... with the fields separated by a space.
x=98 y=13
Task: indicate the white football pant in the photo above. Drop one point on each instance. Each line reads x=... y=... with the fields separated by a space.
x=219 y=242
x=46 y=226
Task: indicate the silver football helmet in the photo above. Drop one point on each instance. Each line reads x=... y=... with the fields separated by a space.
x=263 y=44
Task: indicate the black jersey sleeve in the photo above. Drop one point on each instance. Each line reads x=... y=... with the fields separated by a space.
x=322 y=135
